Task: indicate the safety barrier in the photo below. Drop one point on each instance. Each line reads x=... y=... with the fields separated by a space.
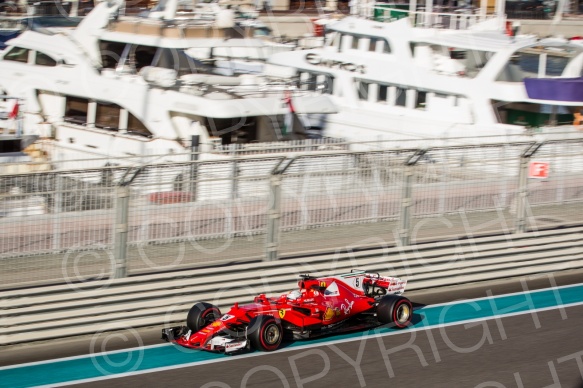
x=165 y=298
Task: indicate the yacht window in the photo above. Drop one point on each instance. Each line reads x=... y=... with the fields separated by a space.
x=363 y=90
x=143 y=56
x=325 y=83
x=107 y=116
x=303 y=80
x=76 y=110
x=537 y=61
x=556 y=65
x=111 y=53
x=233 y=130
x=136 y=127
x=372 y=45
x=313 y=81
x=457 y=54
x=383 y=91
x=529 y=63
x=421 y=100
x=531 y=115
x=355 y=42
x=44 y=60
x=178 y=60
x=17 y=54
x=386 y=46
x=401 y=95
x=308 y=81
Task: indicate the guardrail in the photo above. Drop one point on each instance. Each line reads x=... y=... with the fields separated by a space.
x=162 y=299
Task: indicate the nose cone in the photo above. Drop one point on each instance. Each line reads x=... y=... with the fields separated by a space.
x=200 y=338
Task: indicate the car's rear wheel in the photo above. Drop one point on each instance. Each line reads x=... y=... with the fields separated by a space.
x=265 y=333
x=396 y=310
x=201 y=315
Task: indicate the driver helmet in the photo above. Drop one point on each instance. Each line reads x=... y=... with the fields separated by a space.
x=293 y=295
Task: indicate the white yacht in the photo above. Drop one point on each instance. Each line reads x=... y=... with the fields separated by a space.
x=397 y=75
x=119 y=86
x=12 y=26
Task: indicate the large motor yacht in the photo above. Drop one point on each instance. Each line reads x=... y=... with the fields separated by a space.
x=125 y=85
x=398 y=74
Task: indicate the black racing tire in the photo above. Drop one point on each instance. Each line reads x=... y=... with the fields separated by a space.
x=201 y=315
x=265 y=333
x=395 y=310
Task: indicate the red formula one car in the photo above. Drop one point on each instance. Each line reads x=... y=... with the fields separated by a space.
x=320 y=306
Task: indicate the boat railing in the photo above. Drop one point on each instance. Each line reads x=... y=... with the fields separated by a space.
x=263 y=90
x=300 y=145
x=250 y=85
x=460 y=19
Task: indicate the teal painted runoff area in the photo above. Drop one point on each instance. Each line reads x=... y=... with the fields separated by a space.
x=159 y=357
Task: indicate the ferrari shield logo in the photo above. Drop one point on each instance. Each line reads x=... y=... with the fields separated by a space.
x=281 y=313
x=329 y=314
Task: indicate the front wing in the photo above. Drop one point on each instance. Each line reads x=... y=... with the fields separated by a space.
x=180 y=335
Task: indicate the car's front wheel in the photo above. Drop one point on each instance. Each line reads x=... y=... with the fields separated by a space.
x=201 y=315
x=265 y=333
x=396 y=310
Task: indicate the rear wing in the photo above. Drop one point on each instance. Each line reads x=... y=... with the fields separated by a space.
x=371 y=282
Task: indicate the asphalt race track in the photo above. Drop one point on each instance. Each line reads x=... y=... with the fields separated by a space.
x=526 y=339
x=458 y=356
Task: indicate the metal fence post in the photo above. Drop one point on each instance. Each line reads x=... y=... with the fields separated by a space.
x=194 y=155
x=121 y=231
x=522 y=200
x=407 y=197
x=235 y=172
x=406 y=202
x=273 y=214
x=57 y=210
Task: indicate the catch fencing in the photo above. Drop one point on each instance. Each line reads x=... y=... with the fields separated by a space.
x=143 y=216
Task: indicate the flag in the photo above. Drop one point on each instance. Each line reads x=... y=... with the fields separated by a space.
x=14 y=111
x=289 y=117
